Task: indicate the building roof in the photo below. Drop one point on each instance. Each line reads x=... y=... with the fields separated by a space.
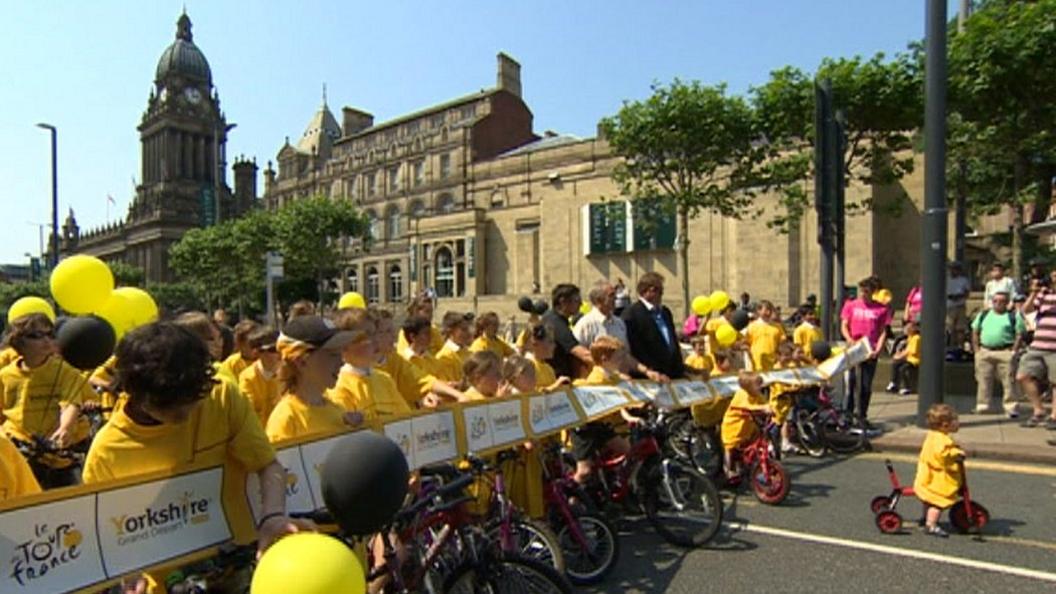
x=548 y=141
x=323 y=124
x=481 y=94
x=183 y=58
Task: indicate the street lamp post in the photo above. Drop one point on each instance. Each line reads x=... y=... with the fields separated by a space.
x=54 y=194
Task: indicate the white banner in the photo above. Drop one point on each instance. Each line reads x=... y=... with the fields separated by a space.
x=599 y=400
x=433 y=438
x=298 y=489
x=313 y=455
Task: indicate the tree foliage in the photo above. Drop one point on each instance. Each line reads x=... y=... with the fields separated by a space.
x=310 y=234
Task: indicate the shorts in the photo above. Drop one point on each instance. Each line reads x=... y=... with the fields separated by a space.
x=1038 y=365
x=589 y=439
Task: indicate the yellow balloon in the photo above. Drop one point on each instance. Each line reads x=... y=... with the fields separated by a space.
x=725 y=335
x=701 y=305
x=584 y=308
x=719 y=300
x=117 y=311
x=29 y=305
x=308 y=563
x=142 y=309
x=883 y=296
x=81 y=284
x=352 y=300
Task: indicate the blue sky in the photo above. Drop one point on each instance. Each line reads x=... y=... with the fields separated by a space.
x=88 y=67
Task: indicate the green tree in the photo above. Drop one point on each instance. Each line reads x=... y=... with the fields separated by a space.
x=200 y=261
x=1003 y=99
x=882 y=104
x=174 y=297
x=687 y=148
x=309 y=234
x=127 y=275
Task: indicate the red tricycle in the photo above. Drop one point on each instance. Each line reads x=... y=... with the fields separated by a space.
x=965 y=515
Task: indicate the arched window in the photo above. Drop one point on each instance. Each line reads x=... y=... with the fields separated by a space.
x=373 y=288
x=417 y=209
x=395 y=283
x=392 y=222
x=375 y=224
x=445 y=273
x=445 y=204
x=353 y=280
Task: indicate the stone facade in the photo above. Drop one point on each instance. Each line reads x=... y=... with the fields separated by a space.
x=183 y=138
x=467 y=200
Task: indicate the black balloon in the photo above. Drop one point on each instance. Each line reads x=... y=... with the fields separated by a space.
x=86 y=342
x=820 y=350
x=540 y=306
x=739 y=320
x=525 y=304
x=364 y=482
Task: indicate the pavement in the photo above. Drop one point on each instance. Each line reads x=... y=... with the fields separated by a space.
x=992 y=436
x=823 y=539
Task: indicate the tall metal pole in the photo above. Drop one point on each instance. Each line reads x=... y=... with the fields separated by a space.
x=54 y=194
x=960 y=217
x=933 y=257
x=839 y=216
x=822 y=204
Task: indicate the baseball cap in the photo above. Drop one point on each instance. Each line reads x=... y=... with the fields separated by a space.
x=309 y=333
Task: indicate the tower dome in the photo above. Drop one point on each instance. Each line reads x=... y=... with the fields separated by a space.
x=183 y=58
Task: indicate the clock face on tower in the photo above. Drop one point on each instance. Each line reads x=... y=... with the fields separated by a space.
x=193 y=95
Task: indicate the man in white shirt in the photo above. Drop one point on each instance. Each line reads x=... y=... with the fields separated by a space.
x=999 y=283
x=957 y=289
x=601 y=321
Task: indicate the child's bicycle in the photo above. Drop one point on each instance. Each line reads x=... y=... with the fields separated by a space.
x=965 y=515
x=759 y=465
x=819 y=426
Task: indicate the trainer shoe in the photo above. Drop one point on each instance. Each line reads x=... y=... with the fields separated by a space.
x=891 y=387
x=904 y=392
x=936 y=531
x=1012 y=413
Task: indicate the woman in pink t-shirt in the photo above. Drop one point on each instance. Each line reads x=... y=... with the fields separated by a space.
x=914 y=303
x=863 y=317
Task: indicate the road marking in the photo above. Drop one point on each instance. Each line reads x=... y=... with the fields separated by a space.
x=910 y=553
x=1026 y=542
x=971 y=464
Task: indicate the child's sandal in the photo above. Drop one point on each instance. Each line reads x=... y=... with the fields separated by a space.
x=936 y=531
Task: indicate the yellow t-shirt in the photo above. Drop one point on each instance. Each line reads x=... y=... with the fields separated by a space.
x=780 y=400
x=709 y=328
x=495 y=345
x=374 y=395
x=598 y=376
x=938 y=475
x=913 y=350
x=763 y=338
x=429 y=364
x=700 y=363
x=293 y=417
x=436 y=341
x=222 y=429
x=545 y=376
x=453 y=356
x=235 y=364
x=261 y=388
x=805 y=335
x=737 y=427
x=16 y=478
x=34 y=398
x=7 y=356
x=412 y=383
x=474 y=395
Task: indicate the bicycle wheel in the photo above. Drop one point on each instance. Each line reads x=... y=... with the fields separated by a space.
x=705 y=451
x=506 y=574
x=590 y=554
x=682 y=504
x=770 y=487
x=808 y=436
x=534 y=540
x=838 y=430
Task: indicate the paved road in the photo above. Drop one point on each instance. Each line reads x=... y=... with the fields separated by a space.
x=788 y=548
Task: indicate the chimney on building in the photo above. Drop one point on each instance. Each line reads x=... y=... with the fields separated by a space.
x=354 y=121
x=509 y=75
x=269 y=179
x=245 y=184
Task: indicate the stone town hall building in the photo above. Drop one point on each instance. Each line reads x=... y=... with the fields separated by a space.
x=183 y=135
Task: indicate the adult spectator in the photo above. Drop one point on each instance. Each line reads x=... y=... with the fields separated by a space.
x=1036 y=271
x=651 y=329
x=864 y=318
x=1038 y=364
x=957 y=289
x=996 y=334
x=602 y=321
x=623 y=298
x=569 y=355
x=914 y=303
x=999 y=282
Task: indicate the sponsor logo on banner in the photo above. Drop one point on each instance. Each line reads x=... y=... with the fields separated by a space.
x=539 y=414
x=597 y=400
x=298 y=493
x=478 y=430
x=313 y=455
x=400 y=432
x=692 y=392
x=433 y=437
x=506 y=425
x=145 y=524
x=725 y=386
x=781 y=376
x=50 y=547
x=560 y=411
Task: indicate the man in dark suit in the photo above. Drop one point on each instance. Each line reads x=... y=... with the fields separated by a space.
x=651 y=329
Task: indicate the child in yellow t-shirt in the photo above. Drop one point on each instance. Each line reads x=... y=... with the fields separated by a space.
x=939 y=479
x=807 y=332
x=260 y=382
x=417 y=330
x=540 y=349
x=487 y=336
x=610 y=357
x=738 y=428
x=524 y=476
x=483 y=372
x=244 y=355
x=16 y=478
x=700 y=362
x=905 y=361
x=415 y=385
x=713 y=325
x=781 y=399
x=360 y=388
x=456 y=346
x=764 y=335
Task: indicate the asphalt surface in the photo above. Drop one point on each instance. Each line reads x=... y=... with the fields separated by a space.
x=830 y=499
